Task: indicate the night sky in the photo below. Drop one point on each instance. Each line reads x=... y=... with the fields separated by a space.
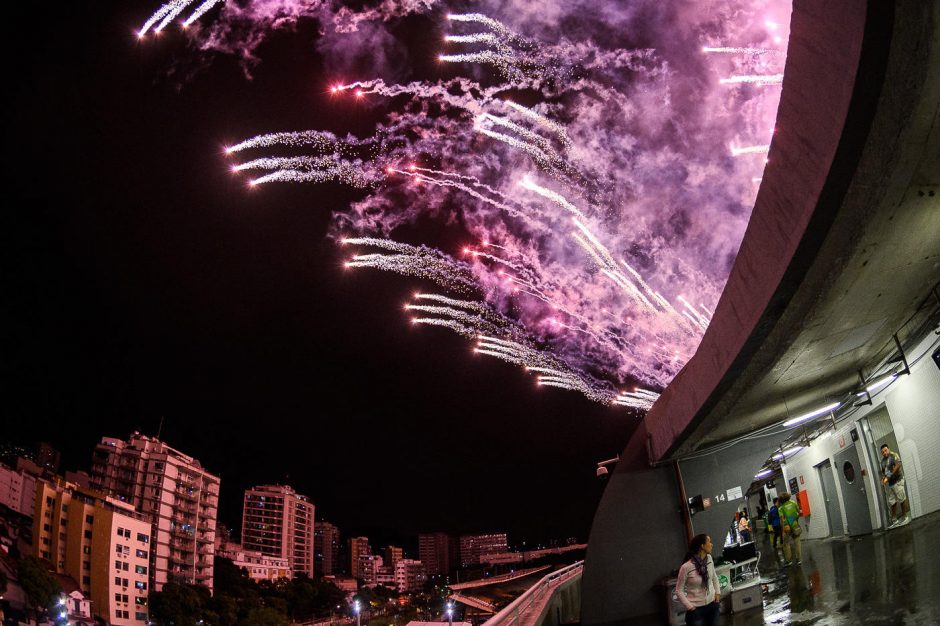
x=143 y=280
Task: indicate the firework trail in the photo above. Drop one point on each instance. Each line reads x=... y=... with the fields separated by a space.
x=598 y=172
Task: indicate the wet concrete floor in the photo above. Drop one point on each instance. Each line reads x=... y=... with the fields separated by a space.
x=888 y=577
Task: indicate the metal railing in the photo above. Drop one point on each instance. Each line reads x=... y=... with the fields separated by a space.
x=532 y=598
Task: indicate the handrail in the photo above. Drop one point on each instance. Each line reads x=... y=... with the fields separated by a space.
x=512 y=613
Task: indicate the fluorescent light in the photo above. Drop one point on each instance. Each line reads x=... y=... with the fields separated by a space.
x=878 y=384
x=787 y=452
x=764 y=473
x=812 y=414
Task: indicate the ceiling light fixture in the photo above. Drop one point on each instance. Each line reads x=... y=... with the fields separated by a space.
x=878 y=384
x=766 y=472
x=787 y=452
x=812 y=414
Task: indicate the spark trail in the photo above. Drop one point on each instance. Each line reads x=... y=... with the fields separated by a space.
x=595 y=178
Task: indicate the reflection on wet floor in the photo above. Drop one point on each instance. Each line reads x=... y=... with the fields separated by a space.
x=890 y=577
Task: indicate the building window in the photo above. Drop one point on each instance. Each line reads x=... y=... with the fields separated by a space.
x=125 y=566
x=118 y=548
x=117 y=565
x=86 y=580
x=63 y=522
x=120 y=531
x=86 y=549
x=48 y=501
x=142 y=554
x=87 y=534
x=141 y=617
x=141 y=537
x=45 y=541
x=117 y=583
x=90 y=519
x=140 y=601
x=117 y=597
x=140 y=584
x=46 y=527
x=140 y=569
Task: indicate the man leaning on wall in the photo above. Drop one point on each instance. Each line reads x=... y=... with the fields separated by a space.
x=892 y=477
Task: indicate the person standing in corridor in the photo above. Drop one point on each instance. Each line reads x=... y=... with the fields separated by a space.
x=790 y=514
x=892 y=477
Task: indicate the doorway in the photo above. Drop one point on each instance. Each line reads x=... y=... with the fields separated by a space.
x=831 y=496
x=879 y=430
x=854 y=495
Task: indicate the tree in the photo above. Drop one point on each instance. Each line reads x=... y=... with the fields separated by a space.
x=42 y=589
x=179 y=605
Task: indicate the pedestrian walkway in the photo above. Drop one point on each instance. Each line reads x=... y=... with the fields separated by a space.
x=888 y=577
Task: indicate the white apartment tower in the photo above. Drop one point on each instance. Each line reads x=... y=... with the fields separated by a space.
x=172 y=491
x=277 y=521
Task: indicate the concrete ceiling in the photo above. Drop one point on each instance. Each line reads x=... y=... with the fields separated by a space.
x=873 y=273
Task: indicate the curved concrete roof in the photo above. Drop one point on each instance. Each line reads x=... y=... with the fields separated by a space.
x=843 y=245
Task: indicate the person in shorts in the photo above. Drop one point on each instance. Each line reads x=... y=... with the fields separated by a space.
x=892 y=477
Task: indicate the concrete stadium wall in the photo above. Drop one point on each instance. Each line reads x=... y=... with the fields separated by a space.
x=637 y=538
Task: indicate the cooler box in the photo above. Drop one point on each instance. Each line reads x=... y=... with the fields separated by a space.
x=746 y=596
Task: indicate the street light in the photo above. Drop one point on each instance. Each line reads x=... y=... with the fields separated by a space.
x=450 y=613
x=358 y=613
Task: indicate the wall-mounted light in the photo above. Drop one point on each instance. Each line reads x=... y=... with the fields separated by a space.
x=812 y=414
x=766 y=472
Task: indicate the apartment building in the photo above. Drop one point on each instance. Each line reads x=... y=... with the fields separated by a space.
x=437 y=552
x=175 y=493
x=277 y=521
x=258 y=566
x=100 y=542
x=17 y=490
x=358 y=548
x=472 y=546
x=410 y=575
x=326 y=544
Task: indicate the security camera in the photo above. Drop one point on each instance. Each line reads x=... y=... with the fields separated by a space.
x=602 y=471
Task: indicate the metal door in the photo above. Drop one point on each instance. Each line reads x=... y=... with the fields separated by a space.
x=831 y=496
x=854 y=498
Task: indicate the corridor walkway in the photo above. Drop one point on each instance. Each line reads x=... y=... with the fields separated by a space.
x=885 y=578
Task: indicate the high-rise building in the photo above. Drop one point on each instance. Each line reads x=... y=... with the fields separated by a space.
x=101 y=542
x=472 y=546
x=358 y=547
x=175 y=493
x=278 y=522
x=393 y=555
x=326 y=544
x=410 y=575
x=437 y=552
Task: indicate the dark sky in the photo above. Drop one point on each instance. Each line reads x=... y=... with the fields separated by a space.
x=141 y=279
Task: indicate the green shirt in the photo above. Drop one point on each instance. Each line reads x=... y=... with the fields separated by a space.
x=789 y=512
